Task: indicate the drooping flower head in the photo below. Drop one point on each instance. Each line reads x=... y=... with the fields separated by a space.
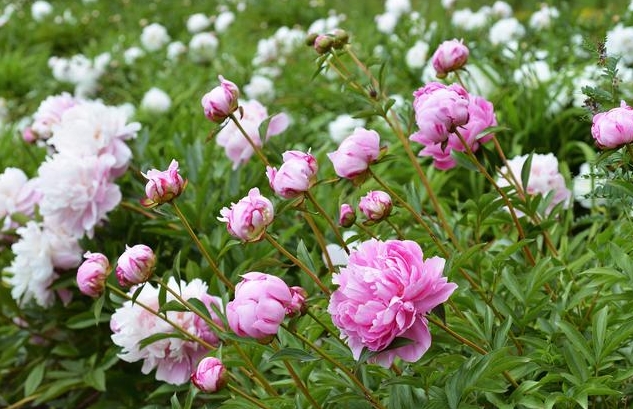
x=260 y=305
x=356 y=153
x=384 y=293
x=163 y=186
x=221 y=101
x=248 y=218
x=295 y=176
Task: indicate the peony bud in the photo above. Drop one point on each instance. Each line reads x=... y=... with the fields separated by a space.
x=248 y=218
x=356 y=153
x=614 y=128
x=135 y=265
x=297 y=306
x=310 y=39
x=210 y=375
x=341 y=38
x=323 y=43
x=347 y=216
x=376 y=205
x=296 y=175
x=92 y=274
x=163 y=186
x=449 y=56
x=221 y=101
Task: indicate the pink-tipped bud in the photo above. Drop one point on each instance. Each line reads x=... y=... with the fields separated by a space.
x=210 y=375
x=295 y=176
x=135 y=265
x=248 y=218
x=221 y=101
x=323 y=43
x=450 y=56
x=92 y=274
x=376 y=205
x=347 y=216
x=164 y=186
x=297 y=306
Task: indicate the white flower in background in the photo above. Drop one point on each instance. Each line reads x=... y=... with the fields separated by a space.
x=260 y=88
x=6 y=14
x=481 y=79
x=175 y=49
x=267 y=51
x=18 y=195
x=4 y=111
x=386 y=23
x=156 y=101
x=532 y=74
x=37 y=253
x=343 y=126
x=326 y=25
x=542 y=18
x=338 y=256
x=588 y=77
x=197 y=22
x=132 y=54
x=620 y=43
x=40 y=10
x=398 y=7
x=416 y=56
x=154 y=37
x=448 y=4
x=289 y=39
x=505 y=31
x=80 y=71
x=223 y=21
x=50 y=112
x=468 y=20
x=77 y=194
x=203 y=47
x=585 y=184
x=578 y=45
x=501 y=9
x=93 y=128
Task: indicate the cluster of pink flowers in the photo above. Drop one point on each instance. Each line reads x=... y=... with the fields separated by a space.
x=544 y=178
x=443 y=111
x=174 y=358
x=384 y=293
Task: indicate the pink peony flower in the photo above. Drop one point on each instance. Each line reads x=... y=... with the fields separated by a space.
x=481 y=116
x=77 y=193
x=298 y=304
x=248 y=218
x=544 y=178
x=613 y=128
x=174 y=358
x=221 y=101
x=210 y=375
x=439 y=110
x=295 y=176
x=18 y=195
x=376 y=205
x=92 y=274
x=233 y=141
x=384 y=293
x=347 y=216
x=356 y=153
x=450 y=56
x=50 y=112
x=259 y=306
x=135 y=265
x=164 y=186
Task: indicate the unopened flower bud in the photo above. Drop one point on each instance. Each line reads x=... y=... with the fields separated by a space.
x=323 y=43
x=164 y=186
x=210 y=375
x=92 y=274
x=297 y=306
x=376 y=205
x=135 y=265
x=221 y=101
x=341 y=38
x=347 y=216
x=310 y=39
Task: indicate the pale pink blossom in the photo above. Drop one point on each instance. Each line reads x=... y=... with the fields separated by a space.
x=50 y=112
x=38 y=253
x=164 y=186
x=376 y=205
x=248 y=218
x=450 y=56
x=259 y=306
x=439 y=110
x=295 y=176
x=613 y=128
x=92 y=274
x=356 y=153
x=210 y=375
x=221 y=101
x=18 y=195
x=135 y=265
x=77 y=193
x=384 y=293
x=173 y=358
x=544 y=177
x=236 y=146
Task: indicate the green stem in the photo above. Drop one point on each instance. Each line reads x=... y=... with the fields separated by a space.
x=321 y=240
x=297 y=262
x=203 y=250
x=256 y=148
x=297 y=380
x=396 y=229
x=459 y=79
x=365 y=229
x=247 y=397
x=329 y=220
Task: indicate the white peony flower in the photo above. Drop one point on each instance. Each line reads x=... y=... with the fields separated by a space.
x=343 y=126
x=202 y=47
x=417 y=55
x=386 y=23
x=585 y=183
x=223 y=21
x=154 y=37
x=156 y=101
x=260 y=88
x=132 y=54
x=175 y=49
x=197 y=22
x=620 y=43
x=50 y=112
x=18 y=194
x=542 y=18
x=40 y=10
x=398 y=7
x=505 y=30
x=501 y=9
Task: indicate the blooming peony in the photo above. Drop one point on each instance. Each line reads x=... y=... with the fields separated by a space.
x=197 y=22
x=544 y=178
x=202 y=47
x=585 y=184
x=260 y=305
x=248 y=218
x=154 y=37
x=18 y=195
x=174 y=358
x=38 y=252
x=384 y=293
x=156 y=101
x=342 y=126
x=295 y=176
x=233 y=141
x=416 y=55
x=49 y=113
x=376 y=205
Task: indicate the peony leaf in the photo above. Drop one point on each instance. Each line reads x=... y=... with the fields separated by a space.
x=292 y=354
x=158 y=337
